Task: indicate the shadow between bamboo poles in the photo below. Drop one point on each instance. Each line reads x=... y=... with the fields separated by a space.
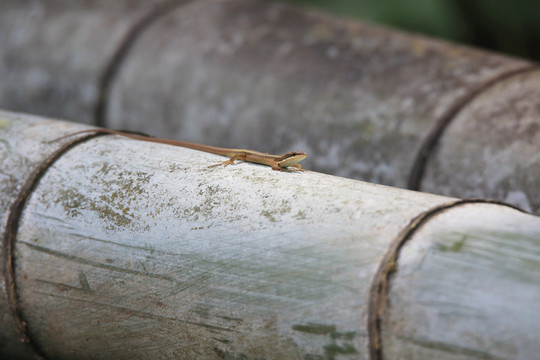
x=10 y=236
x=380 y=286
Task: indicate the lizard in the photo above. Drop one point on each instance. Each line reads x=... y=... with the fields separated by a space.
x=276 y=162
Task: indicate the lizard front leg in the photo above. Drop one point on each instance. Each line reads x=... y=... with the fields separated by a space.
x=231 y=160
x=296 y=167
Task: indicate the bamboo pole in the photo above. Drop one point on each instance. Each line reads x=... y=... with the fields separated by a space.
x=54 y=54
x=465 y=286
x=123 y=249
x=366 y=102
x=492 y=147
x=361 y=99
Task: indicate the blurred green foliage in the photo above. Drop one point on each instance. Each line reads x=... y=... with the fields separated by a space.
x=509 y=26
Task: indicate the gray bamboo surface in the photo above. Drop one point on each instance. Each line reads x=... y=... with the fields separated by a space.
x=54 y=55
x=465 y=271
x=120 y=249
x=364 y=101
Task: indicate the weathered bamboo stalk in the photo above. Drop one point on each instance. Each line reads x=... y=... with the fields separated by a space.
x=55 y=55
x=123 y=249
x=492 y=147
x=365 y=102
x=463 y=271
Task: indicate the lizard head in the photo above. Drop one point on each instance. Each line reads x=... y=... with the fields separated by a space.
x=291 y=158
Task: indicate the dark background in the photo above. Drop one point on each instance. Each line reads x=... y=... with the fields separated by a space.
x=506 y=26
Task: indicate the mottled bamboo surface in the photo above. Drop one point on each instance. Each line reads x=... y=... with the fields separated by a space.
x=118 y=249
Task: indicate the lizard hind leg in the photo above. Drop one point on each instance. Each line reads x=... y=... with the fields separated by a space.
x=226 y=162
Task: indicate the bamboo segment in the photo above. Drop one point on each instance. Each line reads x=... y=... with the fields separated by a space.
x=127 y=249
x=23 y=148
x=467 y=287
x=54 y=53
x=492 y=147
